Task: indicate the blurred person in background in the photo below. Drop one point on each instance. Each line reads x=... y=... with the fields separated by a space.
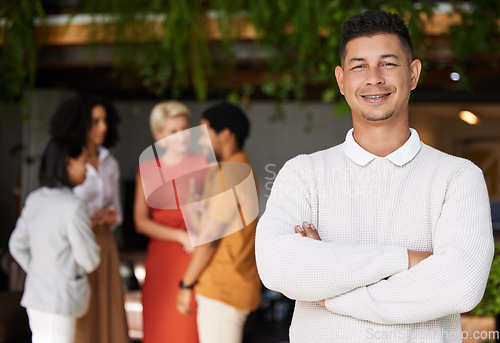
x=54 y=244
x=169 y=247
x=93 y=121
x=222 y=273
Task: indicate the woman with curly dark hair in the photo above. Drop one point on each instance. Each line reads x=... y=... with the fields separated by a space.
x=93 y=121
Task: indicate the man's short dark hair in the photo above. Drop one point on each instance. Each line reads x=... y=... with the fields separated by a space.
x=53 y=169
x=73 y=119
x=228 y=116
x=372 y=23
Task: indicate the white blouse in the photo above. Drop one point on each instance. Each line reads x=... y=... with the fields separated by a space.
x=101 y=187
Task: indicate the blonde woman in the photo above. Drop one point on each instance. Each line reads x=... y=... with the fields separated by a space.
x=168 y=251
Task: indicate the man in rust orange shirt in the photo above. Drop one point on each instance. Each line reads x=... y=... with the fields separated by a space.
x=223 y=272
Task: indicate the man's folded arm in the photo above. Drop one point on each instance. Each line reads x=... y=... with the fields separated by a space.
x=304 y=269
x=450 y=281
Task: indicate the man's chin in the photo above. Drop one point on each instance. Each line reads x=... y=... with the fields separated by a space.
x=377 y=117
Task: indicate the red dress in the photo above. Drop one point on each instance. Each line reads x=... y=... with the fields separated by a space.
x=166 y=262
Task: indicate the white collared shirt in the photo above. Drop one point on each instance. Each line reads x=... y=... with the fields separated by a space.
x=399 y=157
x=101 y=186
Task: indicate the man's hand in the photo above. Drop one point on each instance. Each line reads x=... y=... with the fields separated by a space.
x=184 y=297
x=415 y=257
x=309 y=231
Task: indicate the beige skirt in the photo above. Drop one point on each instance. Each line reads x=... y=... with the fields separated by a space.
x=105 y=321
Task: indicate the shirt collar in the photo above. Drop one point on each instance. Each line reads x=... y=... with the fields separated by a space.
x=399 y=157
x=103 y=152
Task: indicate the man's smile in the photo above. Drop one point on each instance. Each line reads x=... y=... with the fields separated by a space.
x=375 y=98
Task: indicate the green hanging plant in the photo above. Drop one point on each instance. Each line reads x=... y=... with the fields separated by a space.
x=300 y=39
x=179 y=58
x=304 y=37
x=478 y=31
x=19 y=47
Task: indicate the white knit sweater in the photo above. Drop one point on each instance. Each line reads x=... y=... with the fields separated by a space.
x=368 y=211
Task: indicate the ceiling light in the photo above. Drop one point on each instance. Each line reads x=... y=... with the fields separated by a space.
x=455 y=76
x=469 y=117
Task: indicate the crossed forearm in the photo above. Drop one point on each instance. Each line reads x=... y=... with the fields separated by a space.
x=309 y=230
x=309 y=270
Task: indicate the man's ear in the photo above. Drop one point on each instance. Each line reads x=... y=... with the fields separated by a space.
x=225 y=135
x=339 y=75
x=415 y=69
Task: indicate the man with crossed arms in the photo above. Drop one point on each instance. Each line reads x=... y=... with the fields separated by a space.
x=381 y=238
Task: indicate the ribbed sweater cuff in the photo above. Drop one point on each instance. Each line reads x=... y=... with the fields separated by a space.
x=395 y=260
x=340 y=305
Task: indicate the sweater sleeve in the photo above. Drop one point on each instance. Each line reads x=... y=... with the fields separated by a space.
x=82 y=240
x=306 y=269
x=450 y=281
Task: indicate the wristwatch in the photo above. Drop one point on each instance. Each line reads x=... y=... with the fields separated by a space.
x=183 y=286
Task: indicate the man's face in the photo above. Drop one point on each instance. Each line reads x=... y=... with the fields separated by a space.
x=377 y=77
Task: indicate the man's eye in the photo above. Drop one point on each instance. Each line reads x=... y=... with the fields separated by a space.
x=357 y=67
x=388 y=64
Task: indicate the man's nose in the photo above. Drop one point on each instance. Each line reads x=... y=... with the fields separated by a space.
x=374 y=76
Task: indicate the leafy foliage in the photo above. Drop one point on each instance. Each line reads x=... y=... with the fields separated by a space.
x=19 y=46
x=478 y=31
x=301 y=40
x=305 y=36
